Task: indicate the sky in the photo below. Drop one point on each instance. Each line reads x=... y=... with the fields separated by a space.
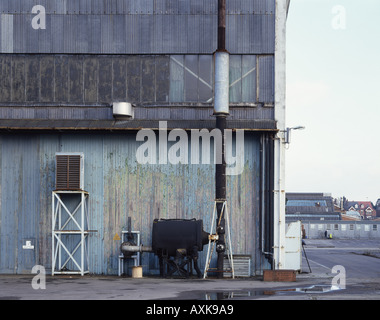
x=333 y=89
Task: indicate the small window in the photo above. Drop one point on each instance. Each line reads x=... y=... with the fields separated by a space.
x=336 y=227
x=351 y=227
x=374 y=227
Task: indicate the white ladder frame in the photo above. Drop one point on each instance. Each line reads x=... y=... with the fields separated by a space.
x=213 y=239
x=58 y=229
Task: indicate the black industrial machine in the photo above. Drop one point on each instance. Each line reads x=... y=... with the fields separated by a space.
x=177 y=242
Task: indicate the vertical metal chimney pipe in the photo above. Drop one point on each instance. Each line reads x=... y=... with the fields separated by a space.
x=221 y=65
x=221 y=111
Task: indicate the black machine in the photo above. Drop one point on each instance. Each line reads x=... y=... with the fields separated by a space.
x=177 y=242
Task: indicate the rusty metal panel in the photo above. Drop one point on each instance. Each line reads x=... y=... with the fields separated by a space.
x=88 y=80
x=18 y=79
x=5 y=79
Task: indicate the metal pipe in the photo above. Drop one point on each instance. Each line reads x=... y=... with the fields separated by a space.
x=221 y=25
x=221 y=110
x=221 y=86
x=126 y=248
x=265 y=198
x=221 y=65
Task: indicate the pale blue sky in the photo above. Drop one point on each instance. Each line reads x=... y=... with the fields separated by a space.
x=333 y=89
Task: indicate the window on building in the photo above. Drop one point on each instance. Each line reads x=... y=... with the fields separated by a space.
x=336 y=227
x=374 y=227
x=192 y=79
x=351 y=227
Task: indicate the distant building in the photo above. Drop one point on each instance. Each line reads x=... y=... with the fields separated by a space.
x=364 y=208
x=310 y=207
x=351 y=215
x=377 y=207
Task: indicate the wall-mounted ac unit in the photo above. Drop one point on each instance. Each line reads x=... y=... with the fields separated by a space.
x=69 y=171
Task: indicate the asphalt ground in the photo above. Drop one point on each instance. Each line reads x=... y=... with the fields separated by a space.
x=331 y=270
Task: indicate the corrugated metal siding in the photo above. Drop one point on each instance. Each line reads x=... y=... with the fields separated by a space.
x=82 y=118
x=6 y=33
x=266 y=79
x=139 y=7
x=137 y=27
x=118 y=188
x=20 y=212
x=156 y=80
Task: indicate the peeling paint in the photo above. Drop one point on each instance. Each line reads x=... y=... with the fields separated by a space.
x=119 y=188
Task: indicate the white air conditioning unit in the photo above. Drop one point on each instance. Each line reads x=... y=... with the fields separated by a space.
x=69 y=171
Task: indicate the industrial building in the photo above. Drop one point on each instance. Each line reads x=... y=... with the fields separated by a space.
x=79 y=79
x=310 y=207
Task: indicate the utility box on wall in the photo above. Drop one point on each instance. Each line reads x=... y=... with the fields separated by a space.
x=293 y=246
x=69 y=171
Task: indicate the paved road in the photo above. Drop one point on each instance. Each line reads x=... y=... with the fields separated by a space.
x=360 y=259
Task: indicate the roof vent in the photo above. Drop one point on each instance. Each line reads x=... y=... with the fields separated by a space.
x=69 y=171
x=122 y=110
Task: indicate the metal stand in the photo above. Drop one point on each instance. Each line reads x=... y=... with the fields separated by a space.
x=70 y=233
x=214 y=238
x=307 y=260
x=135 y=257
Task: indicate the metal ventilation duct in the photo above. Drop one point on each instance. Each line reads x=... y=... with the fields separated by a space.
x=222 y=86
x=69 y=171
x=221 y=111
x=122 y=110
